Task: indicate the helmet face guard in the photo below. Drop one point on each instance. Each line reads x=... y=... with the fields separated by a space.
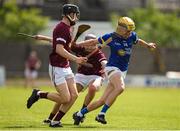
x=68 y=9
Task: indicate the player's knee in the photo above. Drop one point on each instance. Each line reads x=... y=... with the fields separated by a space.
x=120 y=89
x=67 y=99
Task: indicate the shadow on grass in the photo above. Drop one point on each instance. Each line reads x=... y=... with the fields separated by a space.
x=14 y=127
x=80 y=126
x=22 y=126
x=65 y=125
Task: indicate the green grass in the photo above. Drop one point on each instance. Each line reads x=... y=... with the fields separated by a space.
x=136 y=108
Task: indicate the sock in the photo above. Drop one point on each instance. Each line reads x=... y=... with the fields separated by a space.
x=83 y=111
x=51 y=116
x=42 y=94
x=59 y=116
x=83 y=106
x=104 y=109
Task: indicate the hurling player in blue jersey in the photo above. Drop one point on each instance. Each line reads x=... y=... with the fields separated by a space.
x=120 y=43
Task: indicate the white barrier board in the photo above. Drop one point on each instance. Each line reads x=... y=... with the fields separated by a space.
x=151 y=81
x=2 y=75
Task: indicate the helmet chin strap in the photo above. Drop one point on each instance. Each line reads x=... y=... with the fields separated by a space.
x=72 y=21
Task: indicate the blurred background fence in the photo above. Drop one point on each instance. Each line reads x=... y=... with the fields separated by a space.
x=13 y=58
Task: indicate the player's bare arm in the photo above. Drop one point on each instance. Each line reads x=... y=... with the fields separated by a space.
x=73 y=58
x=42 y=37
x=91 y=42
x=64 y=53
x=147 y=45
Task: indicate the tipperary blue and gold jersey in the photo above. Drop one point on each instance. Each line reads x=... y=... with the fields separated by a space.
x=121 y=49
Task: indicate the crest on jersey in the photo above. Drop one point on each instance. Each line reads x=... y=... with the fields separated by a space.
x=121 y=52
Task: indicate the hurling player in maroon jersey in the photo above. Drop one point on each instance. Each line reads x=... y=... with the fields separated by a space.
x=90 y=77
x=59 y=68
x=86 y=77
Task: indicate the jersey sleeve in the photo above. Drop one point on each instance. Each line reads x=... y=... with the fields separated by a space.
x=60 y=36
x=105 y=39
x=101 y=56
x=135 y=38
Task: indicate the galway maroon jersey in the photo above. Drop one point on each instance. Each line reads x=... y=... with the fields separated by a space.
x=95 y=60
x=61 y=35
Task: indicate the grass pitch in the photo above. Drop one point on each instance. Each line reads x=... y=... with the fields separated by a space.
x=136 y=108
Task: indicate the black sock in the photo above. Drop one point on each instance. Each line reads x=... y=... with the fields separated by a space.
x=43 y=94
x=59 y=116
x=51 y=116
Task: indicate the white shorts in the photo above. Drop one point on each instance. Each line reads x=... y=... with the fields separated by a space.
x=110 y=70
x=30 y=74
x=85 y=80
x=59 y=75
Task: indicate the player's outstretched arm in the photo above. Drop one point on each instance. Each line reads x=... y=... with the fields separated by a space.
x=91 y=42
x=43 y=37
x=147 y=45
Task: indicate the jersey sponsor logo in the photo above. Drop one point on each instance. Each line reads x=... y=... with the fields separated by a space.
x=121 y=52
x=61 y=39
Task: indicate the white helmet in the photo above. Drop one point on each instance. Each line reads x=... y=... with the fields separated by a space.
x=90 y=36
